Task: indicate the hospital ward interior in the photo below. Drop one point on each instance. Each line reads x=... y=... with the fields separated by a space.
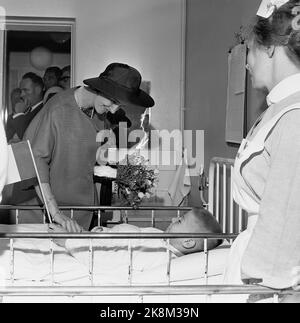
x=149 y=151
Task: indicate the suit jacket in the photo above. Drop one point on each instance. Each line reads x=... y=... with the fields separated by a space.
x=17 y=126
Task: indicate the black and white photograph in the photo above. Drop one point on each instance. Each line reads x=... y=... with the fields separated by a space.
x=149 y=154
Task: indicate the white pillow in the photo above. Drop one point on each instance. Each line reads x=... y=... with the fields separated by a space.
x=187 y=267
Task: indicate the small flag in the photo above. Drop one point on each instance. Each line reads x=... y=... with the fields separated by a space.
x=22 y=166
x=20 y=163
x=180 y=187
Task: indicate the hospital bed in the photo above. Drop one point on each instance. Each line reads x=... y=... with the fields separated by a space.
x=48 y=273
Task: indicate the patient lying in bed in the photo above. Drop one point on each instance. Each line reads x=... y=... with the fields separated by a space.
x=111 y=256
x=196 y=221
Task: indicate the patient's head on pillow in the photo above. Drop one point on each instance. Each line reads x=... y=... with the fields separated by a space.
x=198 y=220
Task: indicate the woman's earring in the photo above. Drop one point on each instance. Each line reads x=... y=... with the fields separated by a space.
x=271 y=51
x=247 y=67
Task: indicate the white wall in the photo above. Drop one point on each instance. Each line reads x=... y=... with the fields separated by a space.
x=211 y=26
x=142 y=33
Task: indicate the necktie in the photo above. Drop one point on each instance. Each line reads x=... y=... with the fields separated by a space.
x=89 y=112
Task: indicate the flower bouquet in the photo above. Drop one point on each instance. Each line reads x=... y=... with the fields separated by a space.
x=133 y=177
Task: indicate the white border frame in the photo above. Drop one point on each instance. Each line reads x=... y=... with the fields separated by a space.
x=183 y=64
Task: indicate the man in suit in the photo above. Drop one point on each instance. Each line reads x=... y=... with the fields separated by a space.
x=31 y=87
x=32 y=96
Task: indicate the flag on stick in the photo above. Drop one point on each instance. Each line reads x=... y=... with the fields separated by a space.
x=20 y=163
x=181 y=185
x=22 y=166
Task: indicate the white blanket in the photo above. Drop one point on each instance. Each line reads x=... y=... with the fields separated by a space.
x=71 y=264
x=32 y=258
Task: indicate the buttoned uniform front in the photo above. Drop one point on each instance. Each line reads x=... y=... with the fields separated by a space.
x=64 y=144
x=266 y=184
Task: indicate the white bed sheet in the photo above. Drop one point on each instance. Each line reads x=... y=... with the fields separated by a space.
x=32 y=268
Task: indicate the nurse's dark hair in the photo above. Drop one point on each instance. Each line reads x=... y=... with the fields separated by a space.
x=279 y=30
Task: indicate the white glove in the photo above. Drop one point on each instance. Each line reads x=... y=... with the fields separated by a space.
x=105 y=171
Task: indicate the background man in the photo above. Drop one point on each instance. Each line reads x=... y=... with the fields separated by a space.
x=65 y=79
x=31 y=87
x=18 y=108
x=51 y=80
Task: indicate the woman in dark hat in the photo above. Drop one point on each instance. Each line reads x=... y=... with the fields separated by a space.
x=63 y=138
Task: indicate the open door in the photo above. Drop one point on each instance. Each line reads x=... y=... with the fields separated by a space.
x=32 y=44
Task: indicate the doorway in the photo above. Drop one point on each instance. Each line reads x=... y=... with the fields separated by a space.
x=33 y=45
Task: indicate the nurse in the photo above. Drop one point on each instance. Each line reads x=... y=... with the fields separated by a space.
x=267 y=167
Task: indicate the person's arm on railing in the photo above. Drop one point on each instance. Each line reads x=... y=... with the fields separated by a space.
x=56 y=215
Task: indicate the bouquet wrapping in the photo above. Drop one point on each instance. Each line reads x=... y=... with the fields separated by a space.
x=134 y=178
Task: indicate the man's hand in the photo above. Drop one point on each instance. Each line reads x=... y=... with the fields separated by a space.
x=66 y=223
x=20 y=107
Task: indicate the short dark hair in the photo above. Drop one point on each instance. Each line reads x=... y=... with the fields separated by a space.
x=278 y=30
x=37 y=80
x=66 y=69
x=55 y=70
x=209 y=224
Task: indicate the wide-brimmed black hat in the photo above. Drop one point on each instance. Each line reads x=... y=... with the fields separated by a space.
x=121 y=82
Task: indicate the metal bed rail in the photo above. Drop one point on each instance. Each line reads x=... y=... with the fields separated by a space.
x=94 y=236
x=220 y=197
x=99 y=209
x=208 y=290
x=105 y=235
x=131 y=289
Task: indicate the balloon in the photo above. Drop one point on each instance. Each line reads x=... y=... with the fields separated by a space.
x=41 y=58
